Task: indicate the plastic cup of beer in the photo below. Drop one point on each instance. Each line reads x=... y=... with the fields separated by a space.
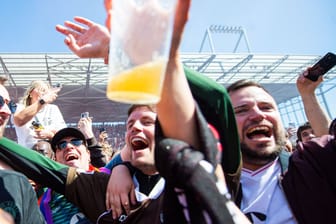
x=141 y=32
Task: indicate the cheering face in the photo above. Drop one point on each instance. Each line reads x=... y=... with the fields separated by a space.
x=4 y=109
x=72 y=152
x=259 y=124
x=307 y=135
x=140 y=138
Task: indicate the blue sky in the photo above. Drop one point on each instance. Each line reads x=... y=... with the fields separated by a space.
x=272 y=26
x=306 y=27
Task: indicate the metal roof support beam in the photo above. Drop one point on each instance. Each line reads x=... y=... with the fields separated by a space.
x=242 y=34
x=324 y=101
x=48 y=71
x=221 y=29
x=88 y=75
x=294 y=111
x=6 y=72
x=206 y=63
x=269 y=69
x=303 y=114
x=207 y=35
x=236 y=68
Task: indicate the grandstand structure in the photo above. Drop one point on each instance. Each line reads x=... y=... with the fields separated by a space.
x=84 y=80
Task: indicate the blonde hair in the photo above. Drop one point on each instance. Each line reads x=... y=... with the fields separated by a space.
x=26 y=99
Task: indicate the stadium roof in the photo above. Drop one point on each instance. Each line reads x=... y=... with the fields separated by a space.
x=84 y=80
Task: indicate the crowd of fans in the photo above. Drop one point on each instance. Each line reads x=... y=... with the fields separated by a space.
x=203 y=154
x=116 y=133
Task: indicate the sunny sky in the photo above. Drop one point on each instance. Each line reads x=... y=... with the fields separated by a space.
x=301 y=27
x=272 y=26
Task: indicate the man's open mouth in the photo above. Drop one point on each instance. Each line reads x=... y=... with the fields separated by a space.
x=139 y=143
x=260 y=131
x=70 y=157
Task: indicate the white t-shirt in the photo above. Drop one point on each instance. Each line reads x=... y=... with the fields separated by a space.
x=50 y=117
x=263 y=199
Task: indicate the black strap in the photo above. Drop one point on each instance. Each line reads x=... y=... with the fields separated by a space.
x=239 y=196
x=177 y=157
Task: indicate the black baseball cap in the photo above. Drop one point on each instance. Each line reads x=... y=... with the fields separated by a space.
x=67 y=132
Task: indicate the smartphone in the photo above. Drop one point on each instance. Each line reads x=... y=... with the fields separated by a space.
x=85 y=115
x=322 y=66
x=37 y=125
x=57 y=85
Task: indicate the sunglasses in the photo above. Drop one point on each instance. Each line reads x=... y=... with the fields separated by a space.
x=63 y=144
x=11 y=104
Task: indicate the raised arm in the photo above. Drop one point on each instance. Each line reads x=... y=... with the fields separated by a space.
x=316 y=116
x=176 y=108
x=97 y=156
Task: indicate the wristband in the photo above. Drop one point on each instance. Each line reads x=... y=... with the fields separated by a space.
x=41 y=101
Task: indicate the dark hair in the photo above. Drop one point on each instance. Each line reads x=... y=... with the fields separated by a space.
x=242 y=84
x=151 y=107
x=102 y=130
x=332 y=128
x=301 y=128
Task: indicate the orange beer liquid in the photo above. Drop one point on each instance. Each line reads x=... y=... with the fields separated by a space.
x=140 y=85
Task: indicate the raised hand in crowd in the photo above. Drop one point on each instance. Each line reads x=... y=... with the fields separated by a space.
x=316 y=116
x=85 y=39
x=85 y=126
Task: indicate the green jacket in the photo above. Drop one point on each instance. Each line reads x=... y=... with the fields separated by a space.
x=215 y=104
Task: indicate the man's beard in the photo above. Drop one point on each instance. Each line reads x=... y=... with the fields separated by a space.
x=262 y=158
x=259 y=158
